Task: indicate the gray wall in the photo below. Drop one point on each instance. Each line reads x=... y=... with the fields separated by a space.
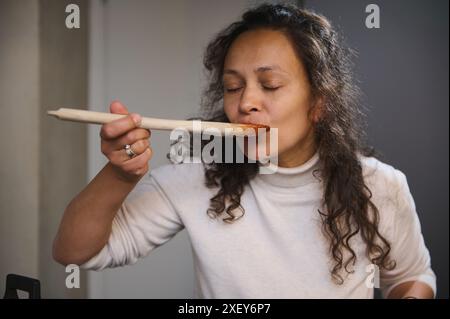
x=63 y=147
x=403 y=69
x=43 y=65
x=19 y=126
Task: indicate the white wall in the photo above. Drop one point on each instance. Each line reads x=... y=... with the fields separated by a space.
x=148 y=54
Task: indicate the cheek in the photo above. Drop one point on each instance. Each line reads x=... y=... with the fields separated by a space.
x=230 y=108
x=293 y=127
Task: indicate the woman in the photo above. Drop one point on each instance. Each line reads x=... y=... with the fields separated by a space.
x=317 y=228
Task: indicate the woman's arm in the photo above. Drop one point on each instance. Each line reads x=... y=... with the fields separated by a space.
x=412 y=275
x=87 y=220
x=412 y=289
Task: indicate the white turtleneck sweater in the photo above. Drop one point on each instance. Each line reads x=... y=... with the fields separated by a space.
x=277 y=249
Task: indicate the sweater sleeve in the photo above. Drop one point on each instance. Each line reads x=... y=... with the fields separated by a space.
x=146 y=220
x=408 y=247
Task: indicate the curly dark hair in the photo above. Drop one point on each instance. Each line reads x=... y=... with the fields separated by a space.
x=339 y=133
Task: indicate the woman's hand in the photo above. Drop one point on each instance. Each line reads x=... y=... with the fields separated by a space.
x=125 y=131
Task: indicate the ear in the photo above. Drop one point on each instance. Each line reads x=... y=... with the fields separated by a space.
x=317 y=109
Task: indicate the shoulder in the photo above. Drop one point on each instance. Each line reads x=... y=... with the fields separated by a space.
x=177 y=171
x=179 y=179
x=389 y=189
x=382 y=177
x=183 y=186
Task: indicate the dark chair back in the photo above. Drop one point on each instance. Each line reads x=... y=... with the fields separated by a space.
x=17 y=282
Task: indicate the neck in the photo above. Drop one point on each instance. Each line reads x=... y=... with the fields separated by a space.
x=299 y=154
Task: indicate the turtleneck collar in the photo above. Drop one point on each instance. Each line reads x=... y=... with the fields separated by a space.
x=290 y=177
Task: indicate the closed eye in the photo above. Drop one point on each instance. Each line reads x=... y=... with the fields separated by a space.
x=232 y=90
x=270 y=88
x=267 y=88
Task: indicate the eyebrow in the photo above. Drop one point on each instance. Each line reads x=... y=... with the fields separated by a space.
x=261 y=69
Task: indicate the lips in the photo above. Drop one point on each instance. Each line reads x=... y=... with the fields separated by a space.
x=253 y=122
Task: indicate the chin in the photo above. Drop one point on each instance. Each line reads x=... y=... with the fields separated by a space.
x=255 y=150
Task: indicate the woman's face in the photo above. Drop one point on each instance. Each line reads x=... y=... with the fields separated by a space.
x=266 y=83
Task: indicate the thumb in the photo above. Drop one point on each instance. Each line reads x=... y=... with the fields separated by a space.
x=118 y=108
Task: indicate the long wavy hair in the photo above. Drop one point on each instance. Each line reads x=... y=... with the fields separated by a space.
x=347 y=209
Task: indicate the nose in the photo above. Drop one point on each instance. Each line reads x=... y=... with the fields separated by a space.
x=250 y=101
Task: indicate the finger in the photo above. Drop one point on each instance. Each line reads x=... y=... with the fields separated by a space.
x=119 y=127
x=129 y=138
x=118 y=144
x=118 y=108
x=138 y=148
x=138 y=163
